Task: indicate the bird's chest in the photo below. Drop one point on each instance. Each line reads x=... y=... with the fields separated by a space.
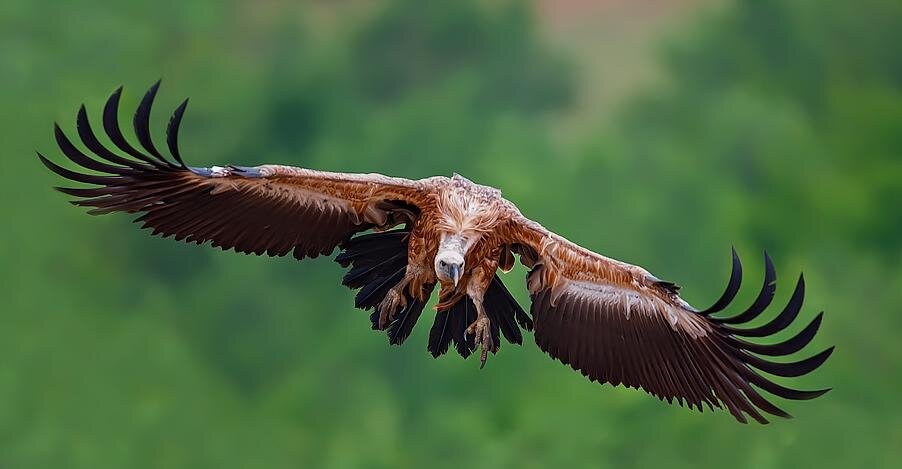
x=484 y=253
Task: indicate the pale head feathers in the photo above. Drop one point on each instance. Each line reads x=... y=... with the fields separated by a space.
x=467 y=209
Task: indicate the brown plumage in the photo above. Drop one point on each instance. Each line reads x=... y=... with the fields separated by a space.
x=614 y=322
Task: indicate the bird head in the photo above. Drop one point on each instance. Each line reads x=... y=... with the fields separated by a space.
x=449 y=266
x=449 y=260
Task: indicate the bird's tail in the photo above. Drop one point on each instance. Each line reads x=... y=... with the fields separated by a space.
x=378 y=262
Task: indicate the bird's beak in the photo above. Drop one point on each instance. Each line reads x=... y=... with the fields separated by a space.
x=455 y=273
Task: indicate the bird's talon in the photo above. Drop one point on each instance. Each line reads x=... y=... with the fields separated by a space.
x=393 y=302
x=483 y=337
x=384 y=318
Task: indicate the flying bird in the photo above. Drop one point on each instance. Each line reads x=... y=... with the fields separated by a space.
x=401 y=239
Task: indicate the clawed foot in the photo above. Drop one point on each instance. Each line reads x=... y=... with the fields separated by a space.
x=393 y=302
x=483 y=334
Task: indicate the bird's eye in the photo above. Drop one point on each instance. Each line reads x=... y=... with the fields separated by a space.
x=442 y=263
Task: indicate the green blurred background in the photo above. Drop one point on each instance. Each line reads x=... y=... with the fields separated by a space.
x=659 y=132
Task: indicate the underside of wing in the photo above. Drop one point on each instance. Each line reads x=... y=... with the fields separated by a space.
x=617 y=324
x=268 y=209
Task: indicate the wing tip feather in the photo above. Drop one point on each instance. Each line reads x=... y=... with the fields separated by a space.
x=735 y=389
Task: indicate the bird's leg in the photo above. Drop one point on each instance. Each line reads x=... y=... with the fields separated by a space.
x=417 y=275
x=482 y=331
x=393 y=302
x=481 y=327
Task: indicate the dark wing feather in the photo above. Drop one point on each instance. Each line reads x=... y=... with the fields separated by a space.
x=694 y=361
x=269 y=209
x=616 y=323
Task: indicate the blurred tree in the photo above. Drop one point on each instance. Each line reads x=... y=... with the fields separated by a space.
x=777 y=125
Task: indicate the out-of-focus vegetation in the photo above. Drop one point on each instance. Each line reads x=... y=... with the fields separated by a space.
x=775 y=125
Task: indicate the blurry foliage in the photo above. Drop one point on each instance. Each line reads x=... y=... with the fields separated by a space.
x=778 y=126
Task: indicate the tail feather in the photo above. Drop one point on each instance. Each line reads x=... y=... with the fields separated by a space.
x=440 y=334
x=463 y=313
x=378 y=261
x=399 y=329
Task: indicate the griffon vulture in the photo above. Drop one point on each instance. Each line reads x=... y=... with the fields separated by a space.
x=611 y=321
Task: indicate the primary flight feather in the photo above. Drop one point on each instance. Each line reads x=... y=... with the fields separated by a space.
x=613 y=322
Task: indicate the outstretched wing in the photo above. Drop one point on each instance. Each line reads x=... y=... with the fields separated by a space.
x=265 y=209
x=618 y=324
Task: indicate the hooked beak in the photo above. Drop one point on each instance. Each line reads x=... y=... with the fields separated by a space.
x=455 y=273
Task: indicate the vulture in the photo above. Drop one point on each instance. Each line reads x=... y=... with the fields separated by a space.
x=400 y=239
